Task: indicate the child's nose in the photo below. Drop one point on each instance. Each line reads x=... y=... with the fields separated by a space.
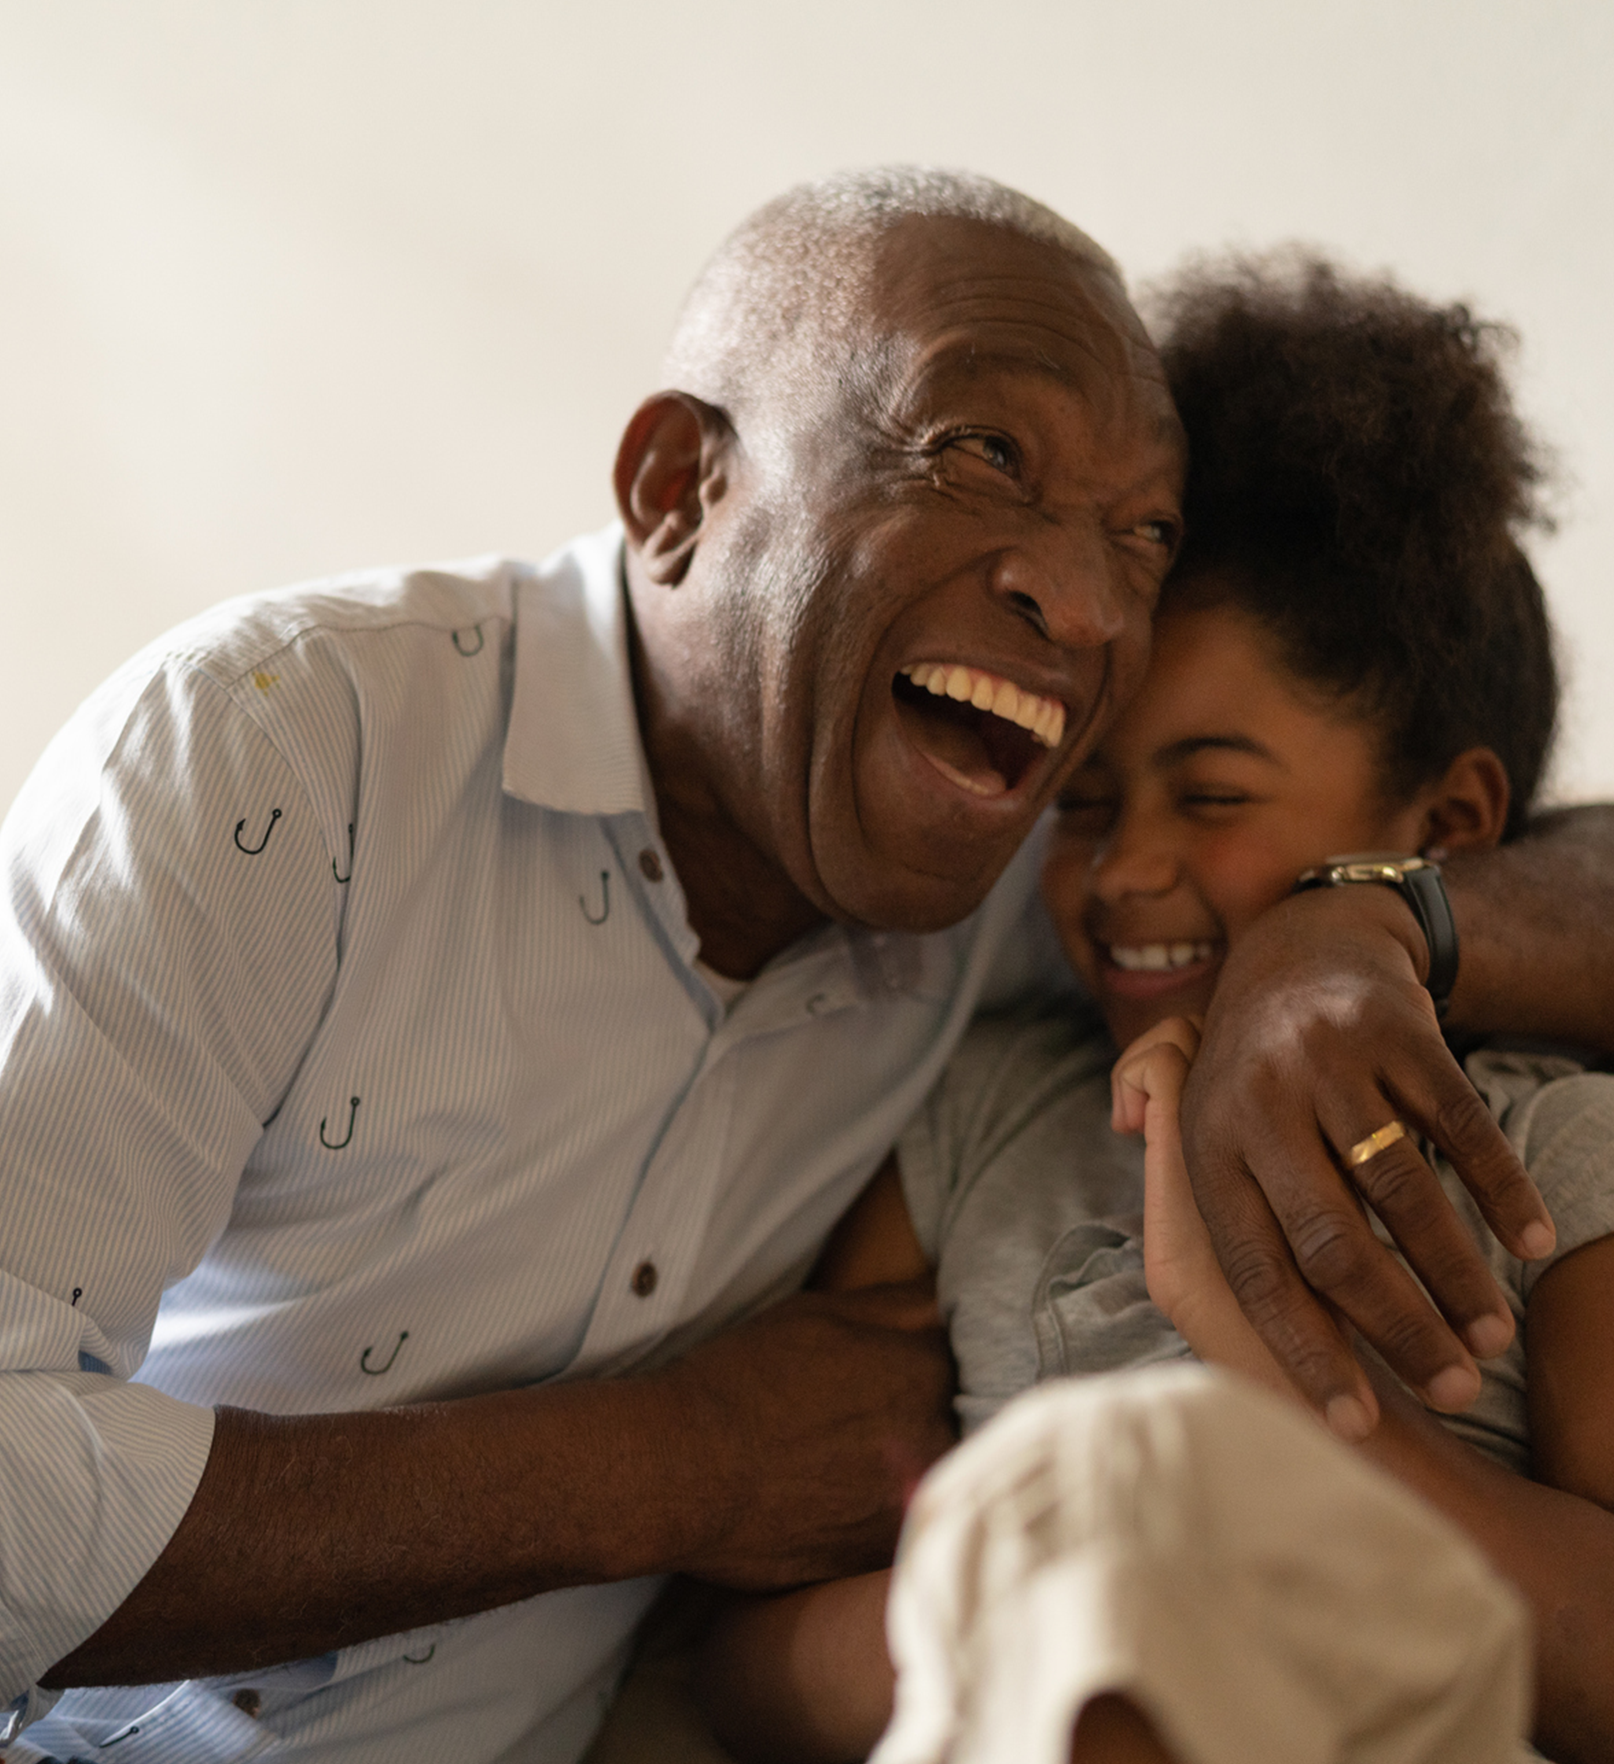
x=1131 y=861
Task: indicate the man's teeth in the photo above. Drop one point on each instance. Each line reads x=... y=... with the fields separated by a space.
x=1044 y=717
x=1160 y=957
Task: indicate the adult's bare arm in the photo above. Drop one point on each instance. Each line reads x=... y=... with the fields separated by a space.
x=1321 y=1032
x=779 y=1452
x=1536 y=924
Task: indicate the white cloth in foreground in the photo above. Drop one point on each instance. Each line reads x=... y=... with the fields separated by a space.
x=1176 y=1534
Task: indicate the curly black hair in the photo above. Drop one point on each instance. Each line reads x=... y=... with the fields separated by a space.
x=1358 y=481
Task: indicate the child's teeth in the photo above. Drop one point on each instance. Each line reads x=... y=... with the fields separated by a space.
x=983 y=695
x=1158 y=957
x=1005 y=701
x=959 y=684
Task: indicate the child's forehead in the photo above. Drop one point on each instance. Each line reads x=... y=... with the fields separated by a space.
x=1218 y=682
x=1208 y=662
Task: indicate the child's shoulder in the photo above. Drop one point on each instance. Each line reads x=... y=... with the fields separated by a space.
x=1543 y=1097
x=1009 y=1061
x=1020 y=1081
x=1065 y=1032
x=1559 y=1117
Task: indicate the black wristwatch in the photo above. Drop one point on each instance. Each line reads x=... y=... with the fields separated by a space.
x=1418 y=883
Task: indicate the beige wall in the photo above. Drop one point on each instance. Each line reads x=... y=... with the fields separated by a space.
x=288 y=286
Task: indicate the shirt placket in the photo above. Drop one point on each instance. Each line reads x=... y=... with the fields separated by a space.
x=646 y=1288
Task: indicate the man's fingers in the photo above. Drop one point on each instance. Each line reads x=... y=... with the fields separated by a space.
x=1405 y=1193
x=1285 y=1312
x=1454 y=1115
x=1336 y=1253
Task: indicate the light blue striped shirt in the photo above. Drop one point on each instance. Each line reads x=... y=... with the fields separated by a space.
x=352 y=1054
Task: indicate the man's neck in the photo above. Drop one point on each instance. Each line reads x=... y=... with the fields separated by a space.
x=741 y=904
x=743 y=910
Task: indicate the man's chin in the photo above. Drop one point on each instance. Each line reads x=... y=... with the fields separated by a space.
x=886 y=896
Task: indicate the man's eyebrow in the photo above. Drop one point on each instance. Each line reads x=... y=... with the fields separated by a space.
x=1192 y=744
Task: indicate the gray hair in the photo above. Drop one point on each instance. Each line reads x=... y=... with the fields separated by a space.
x=789 y=277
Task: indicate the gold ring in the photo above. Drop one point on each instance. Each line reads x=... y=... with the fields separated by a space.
x=1370 y=1147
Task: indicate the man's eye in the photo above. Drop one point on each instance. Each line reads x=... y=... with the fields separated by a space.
x=998 y=453
x=1213 y=801
x=1161 y=532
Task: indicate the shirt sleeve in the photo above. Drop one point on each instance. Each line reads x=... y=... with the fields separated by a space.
x=168 y=940
x=1570 y=1154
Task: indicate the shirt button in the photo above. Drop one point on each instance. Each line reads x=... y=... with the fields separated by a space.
x=644 y=1279
x=650 y=864
x=249 y=1702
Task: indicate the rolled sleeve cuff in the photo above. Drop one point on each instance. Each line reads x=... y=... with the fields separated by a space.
x=98 y=1475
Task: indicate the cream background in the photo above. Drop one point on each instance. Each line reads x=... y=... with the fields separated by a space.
x=288 y=286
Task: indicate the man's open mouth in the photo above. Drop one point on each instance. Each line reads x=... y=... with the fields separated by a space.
x=979 y=730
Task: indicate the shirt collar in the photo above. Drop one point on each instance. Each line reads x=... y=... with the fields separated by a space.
x=573 y=741
x=573 y=745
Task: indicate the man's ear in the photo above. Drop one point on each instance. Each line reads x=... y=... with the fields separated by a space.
x=671 y=467
x=1468 y=807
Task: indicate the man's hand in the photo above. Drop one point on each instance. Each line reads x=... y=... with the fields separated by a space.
x=1320 y=1032
x=819 y=1415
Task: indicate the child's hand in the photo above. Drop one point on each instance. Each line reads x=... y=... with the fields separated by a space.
x=1146 y=1086
x=1179 y=1261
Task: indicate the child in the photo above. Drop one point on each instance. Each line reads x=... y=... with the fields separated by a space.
x=1353 y=655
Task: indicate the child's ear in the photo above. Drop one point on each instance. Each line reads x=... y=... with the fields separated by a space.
x=1468 y=807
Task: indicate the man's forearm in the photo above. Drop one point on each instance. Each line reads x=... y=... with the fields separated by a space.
x=776 y=1453
x=310 y=1533
x=1536 y=925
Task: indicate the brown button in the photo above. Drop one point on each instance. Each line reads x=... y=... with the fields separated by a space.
x=644 y=1279
x=650 y=864
x=249 y=1702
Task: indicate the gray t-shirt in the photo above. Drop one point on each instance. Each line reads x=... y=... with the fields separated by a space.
x=1031 y=1208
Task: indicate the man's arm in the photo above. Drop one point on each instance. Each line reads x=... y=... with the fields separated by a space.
x=163 y=985
x=777 y=1453
x=1536 y=923
x=1320 y=1033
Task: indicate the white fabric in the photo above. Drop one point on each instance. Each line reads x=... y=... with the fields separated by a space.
x=1261 y=1592
x=725 y=988
x=351 y=1054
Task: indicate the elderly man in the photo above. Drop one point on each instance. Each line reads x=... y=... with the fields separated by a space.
x=443 y=1010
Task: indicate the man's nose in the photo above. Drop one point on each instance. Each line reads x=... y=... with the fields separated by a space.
x=1064 y=584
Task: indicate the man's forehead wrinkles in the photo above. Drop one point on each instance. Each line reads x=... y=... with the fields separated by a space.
x=1037 y=306
x=1103 y=380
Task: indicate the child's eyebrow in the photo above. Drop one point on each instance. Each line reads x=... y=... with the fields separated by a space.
x=1192 y=744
